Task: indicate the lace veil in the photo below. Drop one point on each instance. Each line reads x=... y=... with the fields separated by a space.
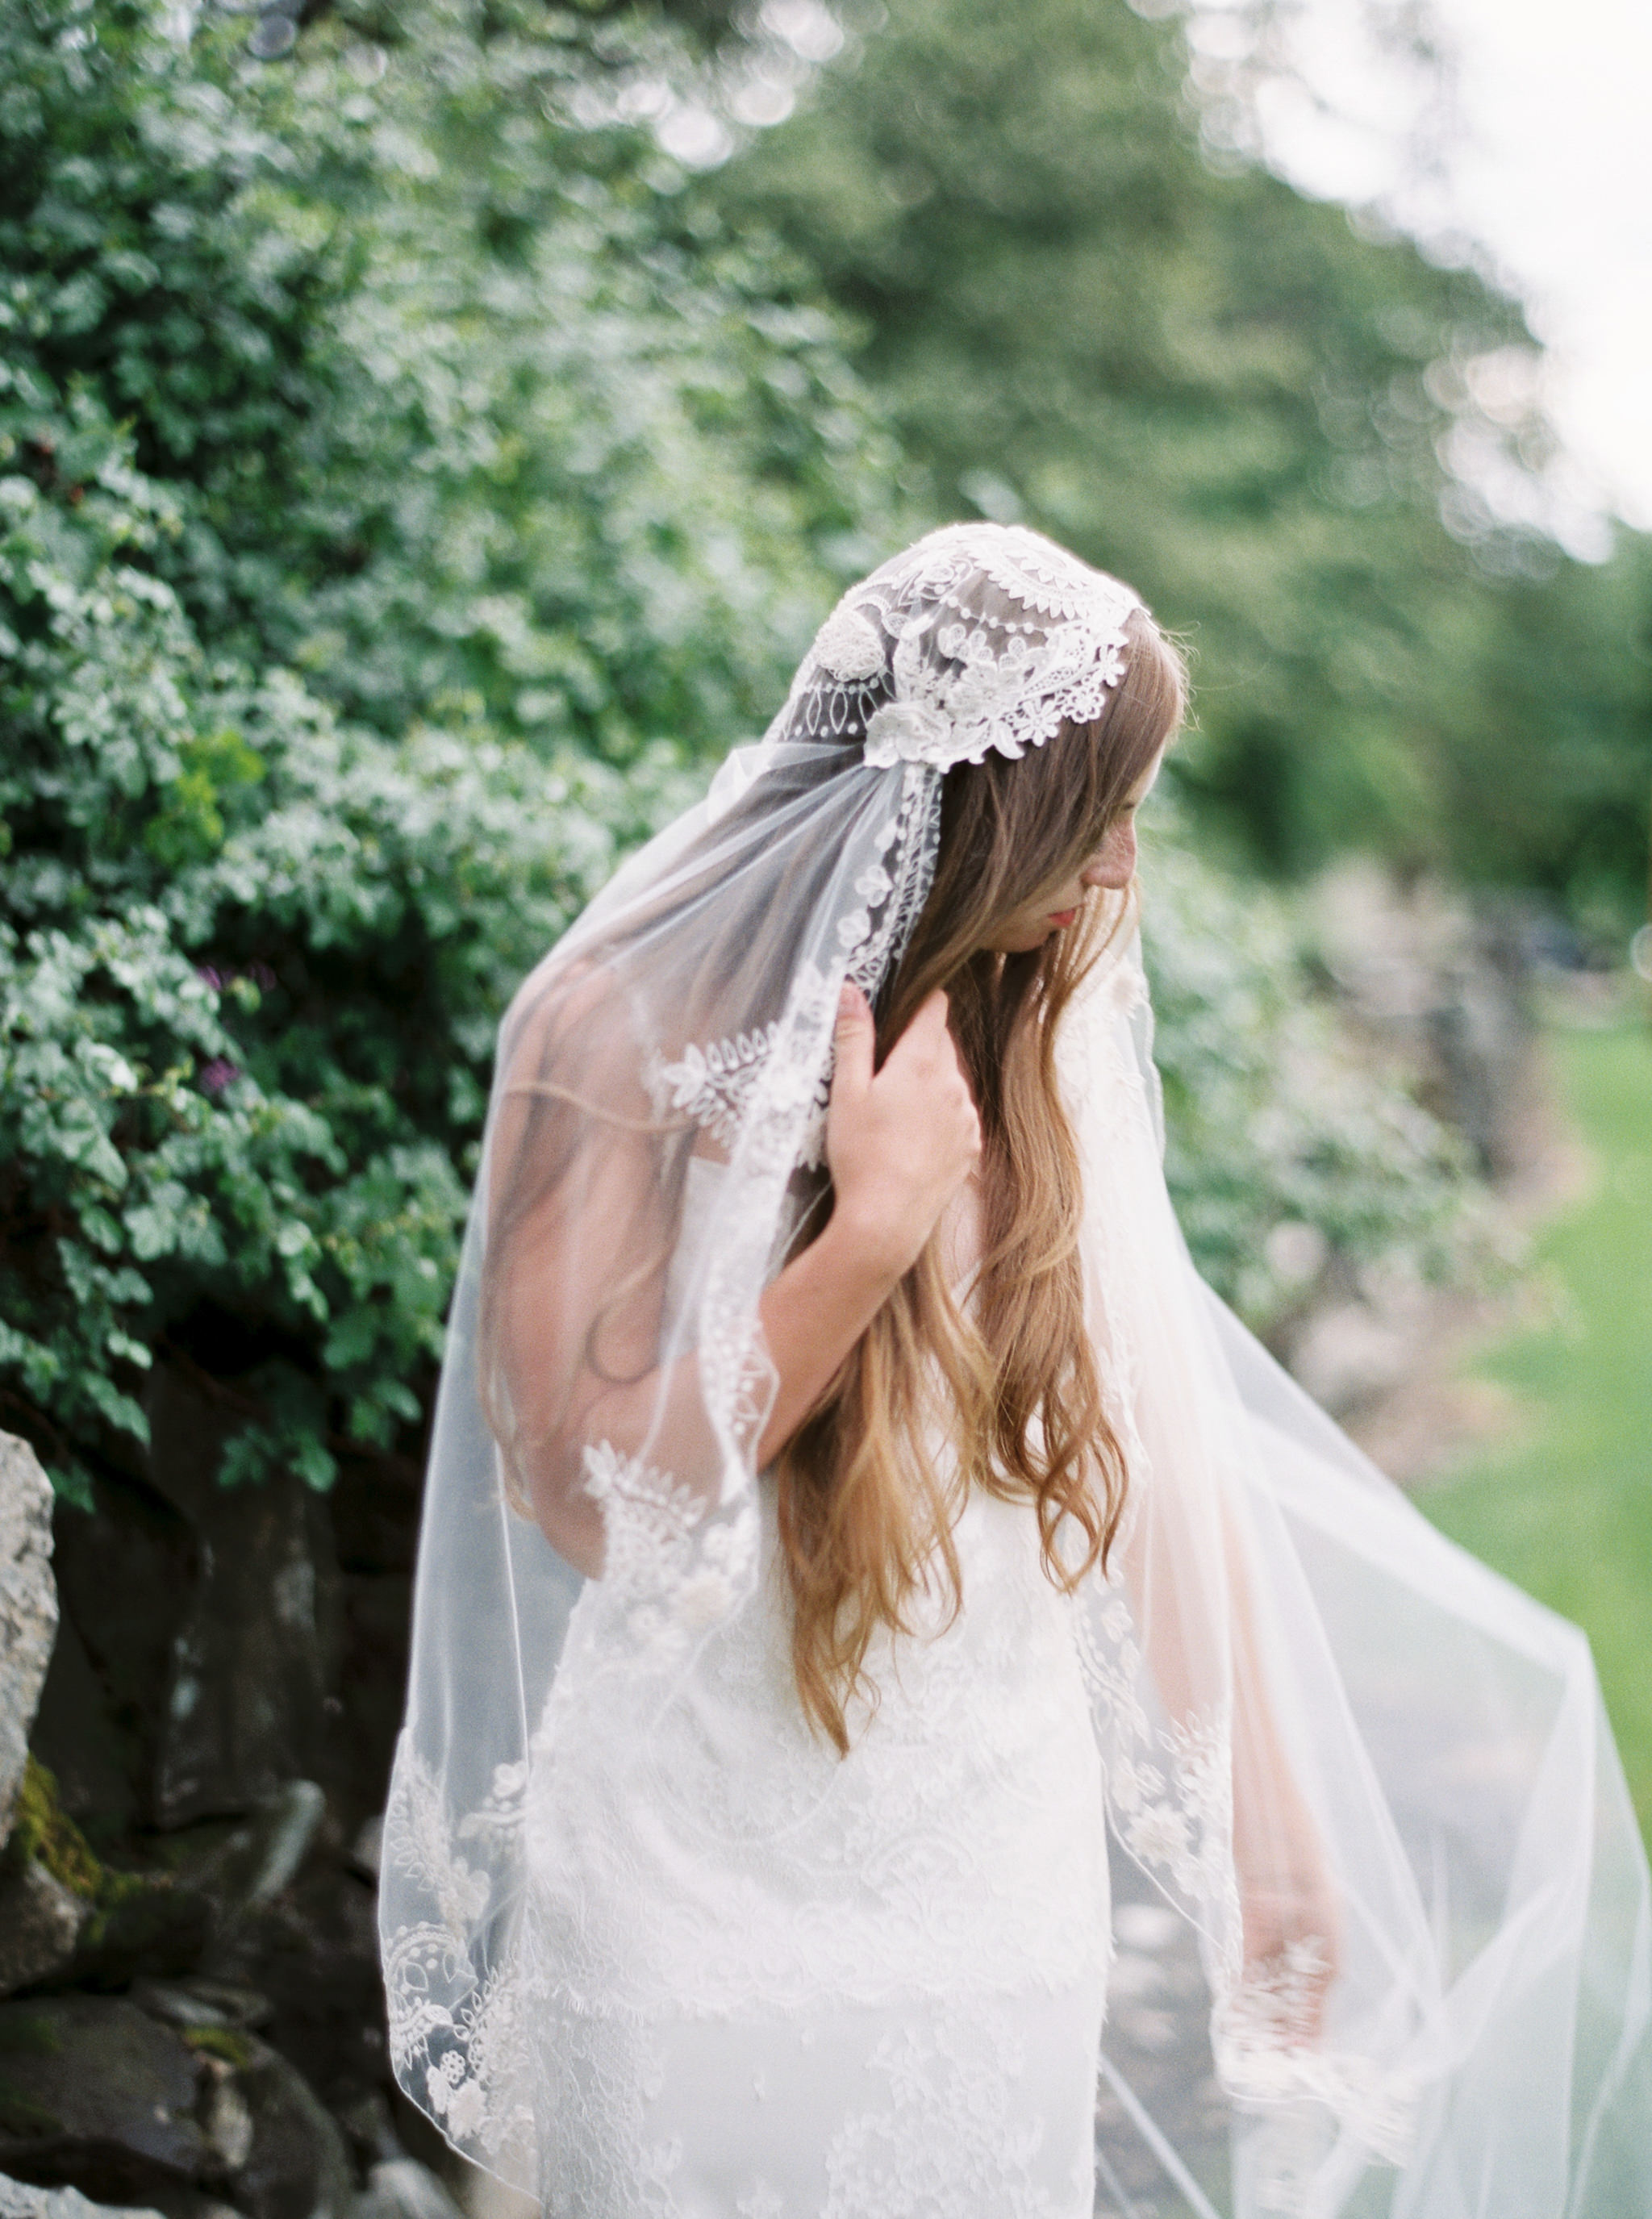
x=1314 y=1711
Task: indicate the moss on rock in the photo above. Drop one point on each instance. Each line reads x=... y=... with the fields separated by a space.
x=29 y=2034
x=225 y=2043
x=134 y=1922
x=43 y=1831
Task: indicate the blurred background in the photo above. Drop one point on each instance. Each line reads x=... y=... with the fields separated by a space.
x=429 y=437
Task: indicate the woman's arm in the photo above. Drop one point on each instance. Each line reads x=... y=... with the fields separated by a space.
x=1288 y=1899
x=899 y=1144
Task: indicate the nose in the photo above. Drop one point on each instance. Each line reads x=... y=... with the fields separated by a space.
x=1113 y=863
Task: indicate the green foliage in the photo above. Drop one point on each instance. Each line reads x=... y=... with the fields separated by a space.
x=1215 y=388
x=1561 y=1504
x=1286 y=1156
x=406 y=487
x=43 y=1832
x=1550 y=784
x=248 y=959
x=378 y=473
x=475 y=426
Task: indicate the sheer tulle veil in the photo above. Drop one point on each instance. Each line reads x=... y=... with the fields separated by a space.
x=1285 y=1662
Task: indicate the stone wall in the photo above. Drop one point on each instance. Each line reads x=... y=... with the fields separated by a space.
x=192 y=1761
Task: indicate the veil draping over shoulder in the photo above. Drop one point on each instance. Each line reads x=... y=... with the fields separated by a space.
x=1288 y=1666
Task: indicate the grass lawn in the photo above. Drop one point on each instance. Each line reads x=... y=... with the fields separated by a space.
x=1566 y=1510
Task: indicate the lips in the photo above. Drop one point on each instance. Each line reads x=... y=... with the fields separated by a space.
x=1062 y=916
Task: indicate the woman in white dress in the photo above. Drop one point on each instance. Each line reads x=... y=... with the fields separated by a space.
x=848 y=1508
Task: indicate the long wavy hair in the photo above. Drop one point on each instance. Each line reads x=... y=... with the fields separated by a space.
x=1004 y=1393
x=937 y=1396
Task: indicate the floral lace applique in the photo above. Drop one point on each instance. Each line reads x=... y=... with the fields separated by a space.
x=847 y=647
x=457 y=2030
x=909 y=732
x=418 y=1839
x=995 y=635
x=712 y=1085
x=1168 y=1789
x=960 y=2133
x=1264 y=2047
x=671 y=1569
x=778 y=1069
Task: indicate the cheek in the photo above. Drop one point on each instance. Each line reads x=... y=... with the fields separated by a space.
x=1115 y=859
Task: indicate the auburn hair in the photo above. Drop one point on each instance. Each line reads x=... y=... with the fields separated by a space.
x=935 y=1398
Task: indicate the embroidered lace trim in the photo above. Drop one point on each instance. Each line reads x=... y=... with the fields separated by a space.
x=459 y=2028
x=980 y=640
x=468 y=1995
x=716 y=1084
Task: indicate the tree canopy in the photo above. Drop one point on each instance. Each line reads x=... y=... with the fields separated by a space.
x=1231 y=395
x=395 y=510
x=411 y=480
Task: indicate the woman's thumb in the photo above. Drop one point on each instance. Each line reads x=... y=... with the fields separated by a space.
x=853 y=1037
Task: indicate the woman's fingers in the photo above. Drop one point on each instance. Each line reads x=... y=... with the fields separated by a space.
x=924 y=1072
x=1291 y=1949
x=854 y=1036
x=901 y=1141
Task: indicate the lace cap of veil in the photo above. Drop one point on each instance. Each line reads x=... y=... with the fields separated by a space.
x=1283 y=1654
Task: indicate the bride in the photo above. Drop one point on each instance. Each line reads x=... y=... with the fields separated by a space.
x=857 y=1545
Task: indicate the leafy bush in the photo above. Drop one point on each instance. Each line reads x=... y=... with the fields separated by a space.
x=353 y=537
x=404 y=491
x=1288 y=1156
x=1203 y=380
x=249 y=955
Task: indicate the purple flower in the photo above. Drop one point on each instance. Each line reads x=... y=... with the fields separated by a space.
x=215 y=1076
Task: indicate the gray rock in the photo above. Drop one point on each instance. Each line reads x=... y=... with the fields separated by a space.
x=198 y=2002
x=227 y=2118
x=298 y=2163
x=40 y=1921
x=28 y=1609
x=126 y=1574
x=1442 y=989
x=402 y=2188
x=292 y=1818
x=253 y=1661
x=239 y=1872
x=367 y=1850
x=20 y=2200
x=96 y=2093
x=100 y=1774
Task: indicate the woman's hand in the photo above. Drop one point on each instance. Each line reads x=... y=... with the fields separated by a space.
x=899 y=1143
x=1292 y=1934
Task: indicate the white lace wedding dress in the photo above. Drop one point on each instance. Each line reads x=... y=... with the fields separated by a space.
x=650 y=1947
x=793 y=1986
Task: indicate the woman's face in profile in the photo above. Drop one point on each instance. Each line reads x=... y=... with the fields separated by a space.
x=1112 y=865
